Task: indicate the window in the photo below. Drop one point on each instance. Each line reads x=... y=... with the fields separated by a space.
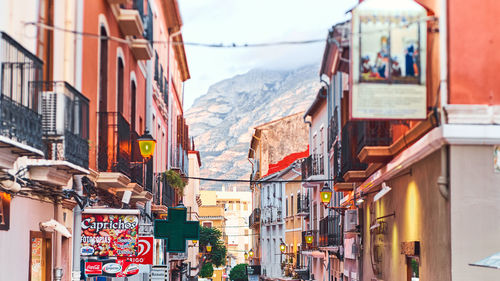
x=286 y=207
x=291 y=205
x=120 y=85
x=207 y=224
x=390 y=49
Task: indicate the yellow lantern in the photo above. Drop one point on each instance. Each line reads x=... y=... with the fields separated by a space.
x=326 y=194
x=209 y=247
x=250 y=253
x=146 y=145
x=282 y=247
x=309 y=238
x=245 y=255
x=195 y=242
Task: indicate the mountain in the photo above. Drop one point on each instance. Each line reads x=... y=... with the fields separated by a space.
x=222 y=120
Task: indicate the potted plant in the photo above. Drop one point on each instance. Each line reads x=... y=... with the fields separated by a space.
x=174 y=180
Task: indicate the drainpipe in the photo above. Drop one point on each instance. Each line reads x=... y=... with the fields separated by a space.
x=77 y=212
x=307 y=121
x=443 y=58
x=58 y=269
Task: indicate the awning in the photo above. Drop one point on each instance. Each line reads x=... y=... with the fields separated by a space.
x=57 y=226
x=492 y=261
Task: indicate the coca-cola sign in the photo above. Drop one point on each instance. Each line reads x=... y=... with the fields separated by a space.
x=93 y=268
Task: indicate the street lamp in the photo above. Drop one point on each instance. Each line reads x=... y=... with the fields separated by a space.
x=146 y=145
x=326 y=194
x=250 y=253
x=282 y=247
x=195 y=242
x=309 y=237
x=245 y=255
x=209 y=247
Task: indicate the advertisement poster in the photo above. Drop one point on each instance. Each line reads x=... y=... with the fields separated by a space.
x=145 y=251
x=111 y=268
x=109 y=235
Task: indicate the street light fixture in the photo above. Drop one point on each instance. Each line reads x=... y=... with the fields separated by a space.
x=209 y=247
x=146 y=145
x=245 y=255
x=326 y=194
x=250 y=253
x=309 y=237
x=282 y=247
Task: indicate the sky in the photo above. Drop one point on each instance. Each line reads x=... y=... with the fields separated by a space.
x=253 y=21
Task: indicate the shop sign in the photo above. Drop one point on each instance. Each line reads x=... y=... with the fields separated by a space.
x=159 y=273
x=253 y=269
x=109 y=235
x=93 y=268
x=144 y=253
x=389 y=60
x=111 y=268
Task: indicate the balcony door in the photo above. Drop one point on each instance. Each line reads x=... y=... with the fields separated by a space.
x=103 y=103
x=40 y=263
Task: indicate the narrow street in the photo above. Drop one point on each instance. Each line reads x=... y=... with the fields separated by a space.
x=217 y=140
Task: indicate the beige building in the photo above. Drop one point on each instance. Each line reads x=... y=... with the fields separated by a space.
x=192 y=201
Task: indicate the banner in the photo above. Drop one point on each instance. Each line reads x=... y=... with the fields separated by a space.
x=109 y=235
x=145 y=252
x=111 y=268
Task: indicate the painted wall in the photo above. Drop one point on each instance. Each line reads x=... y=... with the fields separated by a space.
x=475 y=211
x=421 y=214
x=473 y=67
x=25 y=215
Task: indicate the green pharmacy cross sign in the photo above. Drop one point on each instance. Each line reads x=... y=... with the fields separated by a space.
x=176 y=229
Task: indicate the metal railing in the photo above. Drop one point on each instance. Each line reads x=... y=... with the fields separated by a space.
x=114 y=143
x=20 y=117
x=313 y=165
x=65 y=122
x=358 y=134
x=303 y=205
x=254 y=218
x=330 y=231
x=167 y=194
x=333 y=128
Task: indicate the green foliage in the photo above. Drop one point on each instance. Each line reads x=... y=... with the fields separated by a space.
x=219 y=251
x=239 y=272
x=175 y=181
x=207 y=270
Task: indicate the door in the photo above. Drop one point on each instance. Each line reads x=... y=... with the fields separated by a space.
x=40 y=263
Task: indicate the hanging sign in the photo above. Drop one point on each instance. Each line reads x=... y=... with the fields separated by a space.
x=111 y=234
x=388 y=60
x=144 y=253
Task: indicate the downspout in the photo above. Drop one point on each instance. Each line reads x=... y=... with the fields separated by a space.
x=58 y=269
x=443 y=180
x=77 y=211
x=443 y=59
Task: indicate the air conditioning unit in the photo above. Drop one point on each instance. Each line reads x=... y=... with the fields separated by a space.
x=53 y=113
x=351 y=220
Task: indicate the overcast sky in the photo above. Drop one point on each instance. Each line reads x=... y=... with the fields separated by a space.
x=253 y=21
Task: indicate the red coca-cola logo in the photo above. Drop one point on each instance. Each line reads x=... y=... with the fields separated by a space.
x=93 y=267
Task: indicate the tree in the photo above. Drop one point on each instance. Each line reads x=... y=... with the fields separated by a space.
x=239 y=272
x=219 y=251
x=207 y=270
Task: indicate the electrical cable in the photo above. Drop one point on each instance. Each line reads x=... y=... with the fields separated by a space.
x=253 y=181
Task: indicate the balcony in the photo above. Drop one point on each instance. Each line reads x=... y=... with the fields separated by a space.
x=65 y=122
x=254 y=219
x=313 y=166
x=181 y=161
x=330 y=231
x=333 y=129
x=303 y=205
x=355 y=136
x=167 y=194
x=141 y=49
x=20 y=118
x=130 y=22
x=315 y=243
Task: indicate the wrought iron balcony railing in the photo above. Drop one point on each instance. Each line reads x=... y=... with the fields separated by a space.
x=20 y=117
x=333 y=128
x=254 y=219
x=65 y=122
x=330 y=231
x=303 y=205
x=167 y=194
x=358 y=134
x=313 y=165
x=137 y=166
x=114 y=143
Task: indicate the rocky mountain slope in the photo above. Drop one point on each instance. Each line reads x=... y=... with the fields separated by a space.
x=222 y=120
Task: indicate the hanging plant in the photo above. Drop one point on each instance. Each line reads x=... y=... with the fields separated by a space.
x=175 y=181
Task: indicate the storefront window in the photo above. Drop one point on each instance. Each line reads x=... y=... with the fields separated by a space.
x=4 y=211
x=389 y=49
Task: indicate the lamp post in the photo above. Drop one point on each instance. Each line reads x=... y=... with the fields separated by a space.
x=245 y=255
x=209 y=247
x=326 y=197
x=282 y=249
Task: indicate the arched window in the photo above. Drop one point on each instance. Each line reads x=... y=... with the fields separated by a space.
x=119 y=85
